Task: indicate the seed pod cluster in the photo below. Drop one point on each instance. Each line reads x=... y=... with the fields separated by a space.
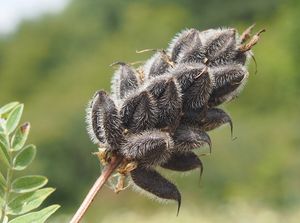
x=160 y=112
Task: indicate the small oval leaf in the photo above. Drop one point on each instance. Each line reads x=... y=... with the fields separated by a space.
x=13 y=118
x=2 y=126
x=24 y=158
x=4 y=156
x=6 y=108
x=29 y=201
x=4 y=141
x=36 y=217
x=28 y=183
x=1 y=200
x=20 y=137
x=2 y=190
x=2 y=179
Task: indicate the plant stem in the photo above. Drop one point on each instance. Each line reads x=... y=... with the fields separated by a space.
x=108 y=170
x=7 y=191
x=9 y=176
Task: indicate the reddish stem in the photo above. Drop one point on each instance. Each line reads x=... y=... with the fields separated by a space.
x=108 y=170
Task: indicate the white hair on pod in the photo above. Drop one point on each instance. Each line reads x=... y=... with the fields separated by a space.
x=88 y=120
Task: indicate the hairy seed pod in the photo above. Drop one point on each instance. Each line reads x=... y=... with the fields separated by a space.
x=157 y=65
x=186 y=74
x=221 y=41
x=148 y=148
x=195 y=53
x=187 y=138
x=94 y=122
x=185 y=161
x=112 y=123
x=239 y=57
x=197 y=95
x=229 y=81
x=139 y=112
x=169 y=105
x=194 y=117
x=212 y=119
x=230 y=54
x=157 y=86
x=106 y=122
x=216 y=117
x=166 y=106
x=151 y=181
x=182 y=41
x=125 y=81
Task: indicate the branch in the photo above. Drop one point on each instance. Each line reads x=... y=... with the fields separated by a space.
x=108 y=170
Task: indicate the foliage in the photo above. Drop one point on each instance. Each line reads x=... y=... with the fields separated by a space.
x=19 y=196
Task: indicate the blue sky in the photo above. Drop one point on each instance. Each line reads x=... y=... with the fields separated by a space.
x=12 y=12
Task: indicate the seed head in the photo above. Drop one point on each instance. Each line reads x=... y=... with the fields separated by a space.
x=159 y=113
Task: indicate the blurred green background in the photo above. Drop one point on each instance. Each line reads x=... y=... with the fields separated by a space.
x=54 y=65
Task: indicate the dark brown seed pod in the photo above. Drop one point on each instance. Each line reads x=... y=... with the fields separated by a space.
x=157 y=65
x=183 y=42
x=152 y=182
x=186 y=74
x=185 y=161
x=94 y=122
x=125 y=80
x=215 y=117
x=198 y=93
x=149 y=148
x=218 y=41
x=139 y=112
x=230 y=56
x=194 y=53
x=112 y=123
x=187 y=138
x=212 y=119
x=157 y=86
x=229 y=81
x=193 y=117
x=105 y=121
x=170 y=106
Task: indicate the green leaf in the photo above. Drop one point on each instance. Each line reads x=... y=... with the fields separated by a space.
x=2 y=127
x=4 y=140
x=1 y=202
x=20 y=137
x=6 y=108
x=2 y=190
x=2 y=185
x=13 y=118
x=24 y=158
x=36 y=217
x=29 y=201
x=2 y=179
x=4 y=156
x=28 y=183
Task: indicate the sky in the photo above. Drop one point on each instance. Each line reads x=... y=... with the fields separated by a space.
x=12 y=12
